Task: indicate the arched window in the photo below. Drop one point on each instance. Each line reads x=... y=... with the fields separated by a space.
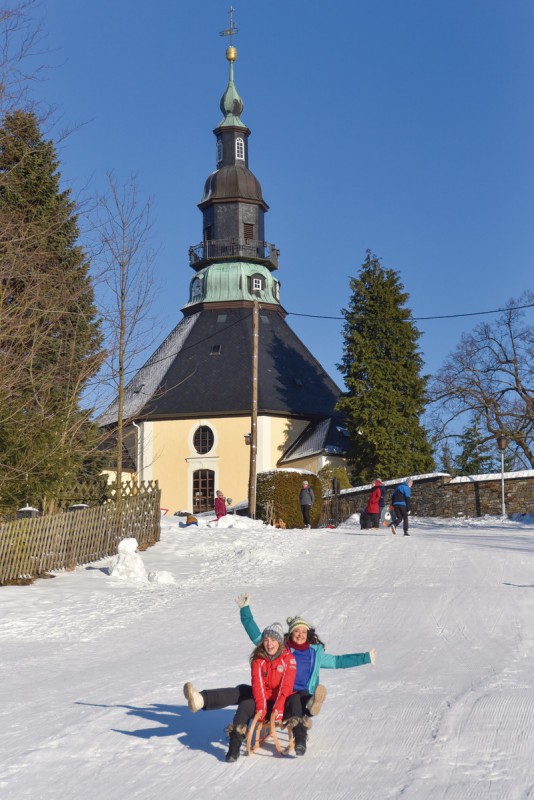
x=219 y=155
x=203 y=439
x=196 y=290
x=240 y=149
x=203 y=490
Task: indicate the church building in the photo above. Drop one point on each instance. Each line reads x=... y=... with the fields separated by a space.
x=187 y=411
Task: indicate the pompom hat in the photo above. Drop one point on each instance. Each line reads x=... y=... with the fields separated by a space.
x=274 y=631
x=295 y=622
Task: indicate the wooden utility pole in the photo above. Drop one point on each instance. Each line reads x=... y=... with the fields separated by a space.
x=254 y=413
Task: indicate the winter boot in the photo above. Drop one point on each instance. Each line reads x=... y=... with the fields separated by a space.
x=316 y=701
x=195 y=701
x=301 y=737
x=235 y=738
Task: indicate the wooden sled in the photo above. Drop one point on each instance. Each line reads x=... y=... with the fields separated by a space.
x=258 y=732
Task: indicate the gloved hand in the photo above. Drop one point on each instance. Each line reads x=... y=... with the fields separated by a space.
x=242 y=600
x=372 y=653
x=278 y=717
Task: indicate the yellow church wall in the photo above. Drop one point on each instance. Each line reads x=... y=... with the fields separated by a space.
x=166 y=453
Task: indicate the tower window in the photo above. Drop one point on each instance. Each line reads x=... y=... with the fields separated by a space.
x=215 y=350
x=203 y=439
x=219 y=154
x=256 y=283
x=240 y=149
x=248 y=231
x=208 y=233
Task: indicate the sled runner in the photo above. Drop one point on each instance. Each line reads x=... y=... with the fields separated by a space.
x=258 y=732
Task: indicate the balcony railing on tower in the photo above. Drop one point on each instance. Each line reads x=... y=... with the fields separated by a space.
x=228 y=249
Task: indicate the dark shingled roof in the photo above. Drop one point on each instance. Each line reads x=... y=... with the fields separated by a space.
x=231 y=182
x=209 y=372
x=327 y=436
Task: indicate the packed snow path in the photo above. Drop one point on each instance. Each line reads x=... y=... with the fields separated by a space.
x=93 y=666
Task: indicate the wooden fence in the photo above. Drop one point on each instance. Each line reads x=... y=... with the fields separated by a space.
x=32 y=547
x=336 y=510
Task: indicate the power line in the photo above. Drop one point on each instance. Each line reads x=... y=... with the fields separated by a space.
x=418 y=319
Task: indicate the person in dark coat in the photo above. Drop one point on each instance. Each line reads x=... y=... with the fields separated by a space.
x=306 y=500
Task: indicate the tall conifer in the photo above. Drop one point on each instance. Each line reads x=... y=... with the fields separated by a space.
x=382 y=369
x=48 y=327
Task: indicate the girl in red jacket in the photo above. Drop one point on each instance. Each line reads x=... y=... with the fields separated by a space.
x=273 y=670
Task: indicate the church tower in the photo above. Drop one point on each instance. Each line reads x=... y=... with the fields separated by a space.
x=188 y=409
x=233 y=263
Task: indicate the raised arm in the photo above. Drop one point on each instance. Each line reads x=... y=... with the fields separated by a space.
x=247 y=620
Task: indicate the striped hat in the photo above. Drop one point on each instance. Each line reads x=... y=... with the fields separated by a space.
x=294 y=622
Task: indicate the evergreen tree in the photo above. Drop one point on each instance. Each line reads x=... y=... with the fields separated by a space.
x=49 y=334
x=382 y=368
x=447 y=460
x=477 y=455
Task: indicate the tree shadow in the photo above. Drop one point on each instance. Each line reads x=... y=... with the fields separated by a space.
x=202 y=731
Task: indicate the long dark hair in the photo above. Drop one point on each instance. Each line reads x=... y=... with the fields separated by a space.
x=311 y=638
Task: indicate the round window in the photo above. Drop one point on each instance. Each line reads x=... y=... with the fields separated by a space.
x=203 y=439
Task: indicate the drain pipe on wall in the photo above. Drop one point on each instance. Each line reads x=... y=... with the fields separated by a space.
x=140 y=461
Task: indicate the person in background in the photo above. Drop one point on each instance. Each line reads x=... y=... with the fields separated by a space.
x=306 y=500
x=220 y=504
x=372 y=510
x=400 y=501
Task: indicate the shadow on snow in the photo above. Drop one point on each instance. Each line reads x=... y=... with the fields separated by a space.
x=200 y=731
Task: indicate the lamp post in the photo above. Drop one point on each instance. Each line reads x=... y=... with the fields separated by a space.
x=502 y=444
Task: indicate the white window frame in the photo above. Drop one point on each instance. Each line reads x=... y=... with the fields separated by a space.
x=240 y=149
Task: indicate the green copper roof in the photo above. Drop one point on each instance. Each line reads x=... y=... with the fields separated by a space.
x=233 y=280
x=231 y=104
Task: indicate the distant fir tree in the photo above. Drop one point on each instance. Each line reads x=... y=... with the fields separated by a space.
x=477 y=455
x=382 y=369
x=49 y=332
x=447 y=460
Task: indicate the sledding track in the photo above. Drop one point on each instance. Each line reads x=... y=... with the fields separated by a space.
x=94 y=701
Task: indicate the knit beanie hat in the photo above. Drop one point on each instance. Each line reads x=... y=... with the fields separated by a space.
x=274 y=631
x=294 y=622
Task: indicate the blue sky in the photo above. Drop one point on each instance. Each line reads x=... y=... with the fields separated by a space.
x=402 y=127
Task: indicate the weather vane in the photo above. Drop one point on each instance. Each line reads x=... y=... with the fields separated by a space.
x=233 y=29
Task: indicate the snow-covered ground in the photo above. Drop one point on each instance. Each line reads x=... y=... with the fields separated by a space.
x=93 y=666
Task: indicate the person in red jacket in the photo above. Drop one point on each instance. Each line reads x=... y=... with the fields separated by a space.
x=220 y=504
x=372 y=510
x=273 y=669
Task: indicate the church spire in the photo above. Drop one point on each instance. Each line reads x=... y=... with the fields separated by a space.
x=233 y=262
x=231 y=104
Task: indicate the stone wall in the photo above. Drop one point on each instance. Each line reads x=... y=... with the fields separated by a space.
x=438 y=495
